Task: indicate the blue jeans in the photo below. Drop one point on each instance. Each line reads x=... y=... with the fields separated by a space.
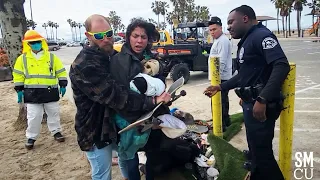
x=131 y=167
x=101 y=162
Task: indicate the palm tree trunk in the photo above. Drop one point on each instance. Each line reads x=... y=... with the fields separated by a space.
x=13 y=25
x=164 y=19
x=278 y=12
x=80 y=33
x=289 y=24
x=52 y=35
x=286 y=26
x=298 y=23
x=56 y=33
x=283 y=30
x=72 y=33
x=46 y=32
x=159 y=21
x=75 y=32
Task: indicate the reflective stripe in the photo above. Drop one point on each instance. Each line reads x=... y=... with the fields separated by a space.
x=62 y=78
x=40 y=86
x=39 y=76
x=60 y=71
x=19 y=84
x=18 y=72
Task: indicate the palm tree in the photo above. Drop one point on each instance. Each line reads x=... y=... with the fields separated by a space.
x=156 y=8
x=70 y=23
x=12 y=36
x=75 y=25
x=283 y=14
x=79 y=26
x=31 y=24
x=49 y=23
x=277 y=4
x=56 y=25
x=164 y=6
x=45 y=25
x=191 y=13
x=298 y=6
x=289 y=4
x=204 y=13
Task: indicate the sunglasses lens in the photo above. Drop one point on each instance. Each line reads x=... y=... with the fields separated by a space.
x=34 y=42
x=109 y=33
x=98 y=36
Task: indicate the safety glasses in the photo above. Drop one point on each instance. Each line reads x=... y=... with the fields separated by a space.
x=34 y=42
x=100 y=35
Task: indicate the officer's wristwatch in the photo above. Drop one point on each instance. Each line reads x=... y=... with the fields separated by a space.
x=261 y=100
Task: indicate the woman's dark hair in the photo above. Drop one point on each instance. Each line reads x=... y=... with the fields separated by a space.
x=151 y=31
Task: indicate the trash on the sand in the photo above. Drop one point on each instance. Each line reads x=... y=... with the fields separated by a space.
x=204 y=139
x=202 y=161
x=142 y=157
x=212 y=173
x=208 y=152
x=211 y=161
x=172 y=127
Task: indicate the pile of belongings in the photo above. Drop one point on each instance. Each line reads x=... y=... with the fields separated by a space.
x=185 y=145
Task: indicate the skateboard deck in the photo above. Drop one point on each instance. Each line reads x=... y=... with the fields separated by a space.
x=172 y=89
x=197 y=128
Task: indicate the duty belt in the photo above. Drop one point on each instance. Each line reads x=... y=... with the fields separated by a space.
x=250 y=93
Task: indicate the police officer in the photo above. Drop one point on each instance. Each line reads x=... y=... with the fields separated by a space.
x=263 y=68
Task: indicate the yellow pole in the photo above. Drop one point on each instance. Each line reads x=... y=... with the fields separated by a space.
x=216 y=99
x=286 y=123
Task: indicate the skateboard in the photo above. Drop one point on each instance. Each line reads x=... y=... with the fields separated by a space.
x=142 y=120
x=197 y=128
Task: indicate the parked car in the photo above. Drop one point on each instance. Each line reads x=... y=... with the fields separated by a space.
x=53 y=46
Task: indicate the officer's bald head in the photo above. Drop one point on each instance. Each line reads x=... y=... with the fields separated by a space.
x=245 y=10
x=240 y=20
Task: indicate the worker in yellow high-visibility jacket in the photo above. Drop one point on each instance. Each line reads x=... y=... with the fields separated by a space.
x=37 y=75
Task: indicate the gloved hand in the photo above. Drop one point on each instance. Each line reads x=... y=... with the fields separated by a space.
x=20 y=96
x=62 y=91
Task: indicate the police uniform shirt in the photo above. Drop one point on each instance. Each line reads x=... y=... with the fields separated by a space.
x=261 y=60
x=256 y=51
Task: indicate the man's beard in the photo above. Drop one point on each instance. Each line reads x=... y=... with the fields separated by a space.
x=106 y=48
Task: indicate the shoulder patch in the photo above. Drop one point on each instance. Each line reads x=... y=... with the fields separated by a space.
x=269 y=43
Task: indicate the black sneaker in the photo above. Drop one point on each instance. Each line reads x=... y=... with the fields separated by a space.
x=30 y=143
x=58 y=137
x=247 y=165
x=247 y=154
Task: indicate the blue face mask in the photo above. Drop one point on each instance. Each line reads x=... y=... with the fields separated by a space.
x=36 y=46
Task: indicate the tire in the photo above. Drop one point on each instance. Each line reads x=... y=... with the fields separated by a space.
x=179 y=70
x=54 y=49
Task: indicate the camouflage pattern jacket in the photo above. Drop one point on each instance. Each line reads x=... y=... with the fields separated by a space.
x=97 y=96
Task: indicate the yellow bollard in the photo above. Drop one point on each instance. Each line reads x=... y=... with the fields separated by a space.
x=216 y=99
x=286 y=123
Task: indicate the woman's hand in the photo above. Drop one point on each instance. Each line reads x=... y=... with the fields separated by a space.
x=164 y=97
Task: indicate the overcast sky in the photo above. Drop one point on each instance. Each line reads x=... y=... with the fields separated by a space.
x=79 y=10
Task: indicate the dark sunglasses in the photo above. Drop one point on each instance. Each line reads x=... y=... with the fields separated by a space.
x=34 y=42
x=100 y=35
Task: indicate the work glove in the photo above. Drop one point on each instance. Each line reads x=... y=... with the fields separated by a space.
x=20 y=96
x=62 y=91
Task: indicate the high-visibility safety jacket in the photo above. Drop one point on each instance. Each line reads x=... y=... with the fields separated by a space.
x=39 y=78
